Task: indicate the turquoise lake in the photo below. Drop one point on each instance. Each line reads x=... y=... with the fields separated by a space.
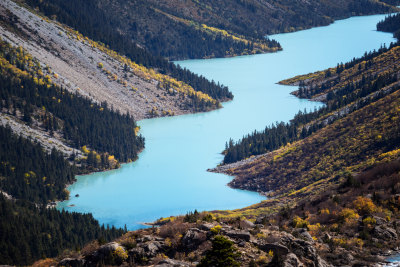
x=170 y=176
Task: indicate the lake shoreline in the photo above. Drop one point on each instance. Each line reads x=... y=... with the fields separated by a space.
x=170 y=177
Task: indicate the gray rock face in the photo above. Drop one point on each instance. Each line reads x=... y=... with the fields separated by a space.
x=71 y=262
x=145 y=238
x=152 y=248
x=304 y=250
x=279 y=251
x=242 y=235
x=193 y=238
x=303 y=233
x=322 y=263
x=384 y=232
x=291 y=260
x=379 y=220
x=146 y=250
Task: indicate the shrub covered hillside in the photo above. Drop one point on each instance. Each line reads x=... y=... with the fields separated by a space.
x=199 y=29
x=345 y=88
x=358 y=128
x=350 y=144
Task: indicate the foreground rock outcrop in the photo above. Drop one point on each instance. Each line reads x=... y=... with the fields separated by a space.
x=182 y=243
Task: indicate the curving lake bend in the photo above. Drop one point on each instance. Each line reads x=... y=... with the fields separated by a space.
x=170 y=176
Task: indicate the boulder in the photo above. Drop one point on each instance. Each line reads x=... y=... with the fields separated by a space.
x=146 y=251
x=109 y=248
x=303 y=248
x=279 y=250
x=291 y=260
x=304 y=234
x=193 y=238
x=322 y=263
x=236 y=234
x=152 y=248
x=245 y=224
x=207 y=226
x=379 y=220
x=384 y=232
x=145 y=238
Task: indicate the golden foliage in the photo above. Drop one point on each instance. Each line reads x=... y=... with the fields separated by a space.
x=364 y=205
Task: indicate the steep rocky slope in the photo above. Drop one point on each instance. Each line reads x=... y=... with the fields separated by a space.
x=95 y=71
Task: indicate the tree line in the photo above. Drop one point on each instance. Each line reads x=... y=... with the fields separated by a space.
x=30 y=173
x=29 y=232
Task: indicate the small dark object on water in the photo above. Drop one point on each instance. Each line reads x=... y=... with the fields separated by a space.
x=77 y=195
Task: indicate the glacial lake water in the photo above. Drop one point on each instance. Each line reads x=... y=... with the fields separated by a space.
x=170 y=176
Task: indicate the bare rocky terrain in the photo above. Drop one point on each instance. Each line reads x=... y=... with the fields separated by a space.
x=39 y=135
x=74 y=63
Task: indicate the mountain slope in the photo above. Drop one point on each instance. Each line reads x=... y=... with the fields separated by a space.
x=201 y=29
x=357 y=128
x=97 y=72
